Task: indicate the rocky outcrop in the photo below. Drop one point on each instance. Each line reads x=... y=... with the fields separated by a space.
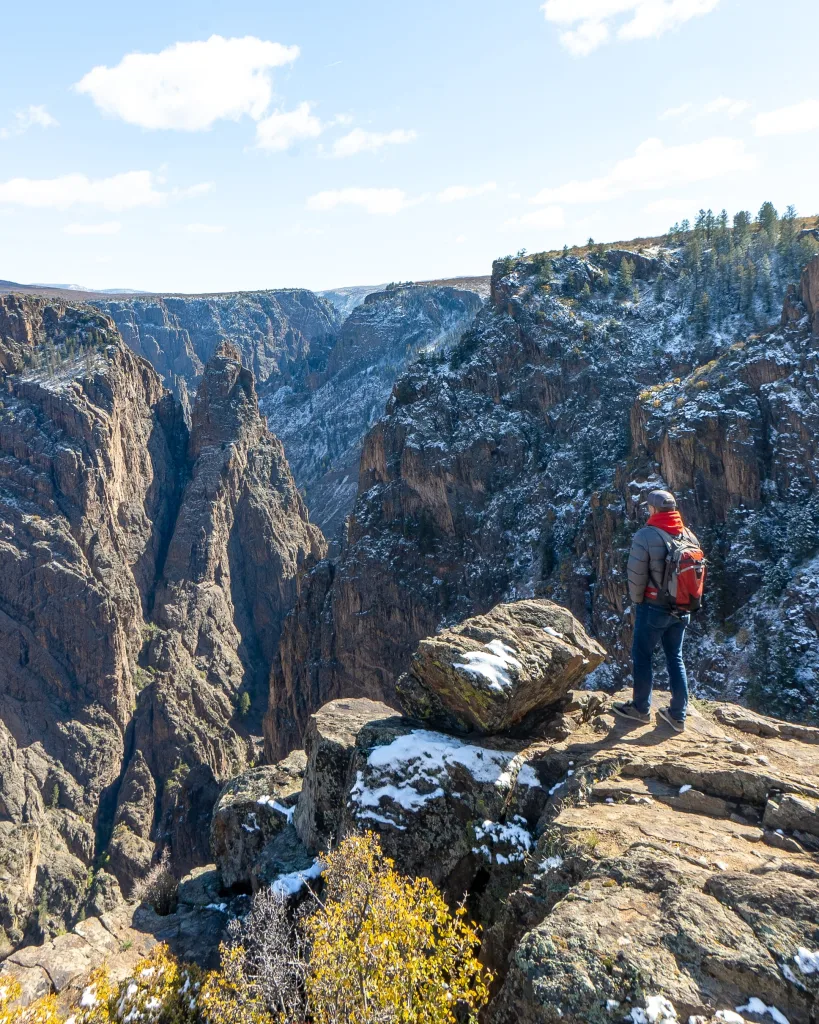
x=615 y=868
x=659 y=878
x=252 y=809
x=145 y=576
x=329 y=743
x=810 y=292
x=240 y=542
x=616 y=864
x=491 y=672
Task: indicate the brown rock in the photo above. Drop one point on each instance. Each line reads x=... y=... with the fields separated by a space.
x=792 y=813
x=809 y=288
x=253 y=808
x=329 y=744
x=137 y=797
x=130 y=857
x=488 y=673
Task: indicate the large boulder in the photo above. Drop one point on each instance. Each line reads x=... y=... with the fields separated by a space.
x=444 y=807
x=252 y=808
x=490 y=672
x=329 y=744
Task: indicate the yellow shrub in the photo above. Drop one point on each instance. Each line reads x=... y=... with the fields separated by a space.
x=9 y=991
x=228 y=997
x=387 y=948
x=43 y=1011
x=98 y=1000
x=160 y=988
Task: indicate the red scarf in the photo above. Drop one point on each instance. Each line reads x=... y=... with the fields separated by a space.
x=671 y=522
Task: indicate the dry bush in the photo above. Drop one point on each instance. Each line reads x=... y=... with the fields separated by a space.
x=273 y=954
x=158 y=888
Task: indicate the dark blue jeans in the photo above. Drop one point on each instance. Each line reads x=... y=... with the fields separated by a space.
x=655 y=626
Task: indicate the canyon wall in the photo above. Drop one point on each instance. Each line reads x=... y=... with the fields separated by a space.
x=145 y=572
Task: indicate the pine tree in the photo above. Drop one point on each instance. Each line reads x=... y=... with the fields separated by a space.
x=626 y=282
x=768 y=220
x=702 y=316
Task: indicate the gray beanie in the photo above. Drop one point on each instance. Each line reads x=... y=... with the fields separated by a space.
x=663 y=501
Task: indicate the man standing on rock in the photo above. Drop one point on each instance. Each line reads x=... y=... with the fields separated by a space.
x=666 y=574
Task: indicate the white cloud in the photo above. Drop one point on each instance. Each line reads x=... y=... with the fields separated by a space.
x=674 y=112
x=282 y=128
x=189 y=86
x=656 y=166
x=548 y=218
x=119 y=192
x=588 y=23
x=373 y=200
x=109 y=227
x=204 y=229
x=457 y=192
x=794 y=120
x=726 y=105
x=721 y=105
x=359 y=141
x=31 y=117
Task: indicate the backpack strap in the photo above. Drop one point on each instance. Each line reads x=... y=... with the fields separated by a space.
x=669 y=550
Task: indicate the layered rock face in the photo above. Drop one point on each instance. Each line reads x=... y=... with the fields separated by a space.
x=276 y=332
x=518 y=469
x=90 y=479
x=142 y=570
x=323 y=419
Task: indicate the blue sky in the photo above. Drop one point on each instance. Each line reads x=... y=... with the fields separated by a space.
x=200 y=146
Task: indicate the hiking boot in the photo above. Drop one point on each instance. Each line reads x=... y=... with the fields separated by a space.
x=628 y=710
x=676 y=724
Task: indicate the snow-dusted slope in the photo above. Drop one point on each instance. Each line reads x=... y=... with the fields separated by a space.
x=323 y=418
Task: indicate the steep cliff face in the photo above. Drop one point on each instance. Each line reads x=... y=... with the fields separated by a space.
x=513 y=471
x=276 y=332
x=89 y=486
x=140 y=568
x=323 y=419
